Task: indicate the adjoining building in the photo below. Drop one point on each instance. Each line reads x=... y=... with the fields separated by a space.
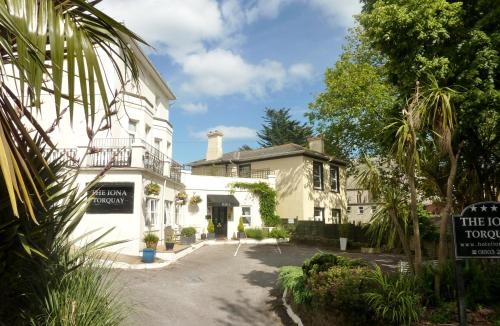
x=360 y=203
x=310 y=184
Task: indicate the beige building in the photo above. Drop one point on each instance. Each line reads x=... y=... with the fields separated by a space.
x=360 y=203
x=310 y=185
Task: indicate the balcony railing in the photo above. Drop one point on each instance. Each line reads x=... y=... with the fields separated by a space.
x=232 y=172
x=122 y=152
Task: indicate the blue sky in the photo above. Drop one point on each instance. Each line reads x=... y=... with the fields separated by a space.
x=226 y=61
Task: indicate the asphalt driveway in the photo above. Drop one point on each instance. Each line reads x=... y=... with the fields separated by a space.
x=216 y=285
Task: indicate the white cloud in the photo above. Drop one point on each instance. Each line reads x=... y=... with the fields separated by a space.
x=265 y=8
x=338 y=12
x=194 y=108
x=230 y=132
x=301 y=70
x=222 y=72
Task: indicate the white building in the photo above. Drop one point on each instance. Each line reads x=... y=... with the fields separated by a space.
x=360 y=203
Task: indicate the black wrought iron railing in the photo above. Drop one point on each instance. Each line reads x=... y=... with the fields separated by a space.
x=232 y=172
x=67 y=154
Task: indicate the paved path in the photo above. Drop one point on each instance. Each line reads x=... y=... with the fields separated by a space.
x=216 y=285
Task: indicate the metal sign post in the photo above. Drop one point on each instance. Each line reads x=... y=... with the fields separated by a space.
x=476 y=234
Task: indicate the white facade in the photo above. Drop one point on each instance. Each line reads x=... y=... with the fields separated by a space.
x=360 y=203
x=203 y=186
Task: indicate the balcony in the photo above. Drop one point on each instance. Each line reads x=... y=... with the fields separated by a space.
x=122 y=152
x=232 y=172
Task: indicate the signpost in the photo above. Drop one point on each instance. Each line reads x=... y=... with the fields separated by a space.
x=112 y=198
x=476 y=234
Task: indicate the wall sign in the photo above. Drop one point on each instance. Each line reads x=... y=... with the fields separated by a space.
x=477 y=231
x=112 y=198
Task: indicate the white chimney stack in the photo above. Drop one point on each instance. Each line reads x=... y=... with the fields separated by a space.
x=316 y=144
x=214 y=149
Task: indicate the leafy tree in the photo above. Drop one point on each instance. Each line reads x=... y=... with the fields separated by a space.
x=354 y=108
x=245 y=148
x=279 y=128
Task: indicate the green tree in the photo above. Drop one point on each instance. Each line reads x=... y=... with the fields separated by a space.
x=279 y=128
x=357 y=101
x=245 y=148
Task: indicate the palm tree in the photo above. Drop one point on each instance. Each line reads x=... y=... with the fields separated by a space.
x=386 y=189
x=54 y=47
x=438 y=114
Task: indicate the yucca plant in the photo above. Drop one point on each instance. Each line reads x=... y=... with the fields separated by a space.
x=394 y=299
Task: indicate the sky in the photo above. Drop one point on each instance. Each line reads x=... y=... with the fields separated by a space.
x=227 y=60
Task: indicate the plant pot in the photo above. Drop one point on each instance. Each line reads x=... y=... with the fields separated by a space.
x=148 y=255
x=169 y=245
x=211 y=236
x=188 y=240
x=343 y=244
x=203 y=236
x=241 y=235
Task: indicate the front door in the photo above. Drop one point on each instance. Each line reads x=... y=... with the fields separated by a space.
x=219 y=217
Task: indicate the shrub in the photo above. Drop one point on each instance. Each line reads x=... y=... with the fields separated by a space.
x=255 y=233
x=241 y=227
x=211 y=226
x=320 y=262
x=188 y=231
x=291 y=278
x=394 y=299
x=278 y=233
x=152 y=189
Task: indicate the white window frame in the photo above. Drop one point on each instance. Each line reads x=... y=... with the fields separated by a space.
x=132 y=134
x=152 y=212
x=167 y=212
x=336 y=219
x=246 y=216
x=320 y=217
x=361 y=210
x=348 y=209
x=334 y=178
x=318 y=177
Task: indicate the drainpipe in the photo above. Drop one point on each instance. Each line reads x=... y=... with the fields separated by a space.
x=163 y=210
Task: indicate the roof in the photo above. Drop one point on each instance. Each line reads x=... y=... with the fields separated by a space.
x=267 y=153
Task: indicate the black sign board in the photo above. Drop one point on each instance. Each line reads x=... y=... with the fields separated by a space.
x=112 y=198
x=477 y=231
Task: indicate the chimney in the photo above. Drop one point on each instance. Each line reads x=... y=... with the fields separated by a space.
x=214 y=148
x=316 y=144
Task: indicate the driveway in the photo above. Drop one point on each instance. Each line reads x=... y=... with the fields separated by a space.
x=216 y=285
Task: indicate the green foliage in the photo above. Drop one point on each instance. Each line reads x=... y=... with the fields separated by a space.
x=279 y=233
x=241 y=227
x=82 y=297
x=344 y=230
x=150 y=237
x=394 y=298
x=279 y=128
x=188 y=231
x=211 y=226
x=292 y=279
x=152 y=189
x=267 y=200
x=245 y=148
x=319 y=262
x=255 y=233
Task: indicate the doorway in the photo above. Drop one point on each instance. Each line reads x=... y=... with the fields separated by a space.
x=219 y=217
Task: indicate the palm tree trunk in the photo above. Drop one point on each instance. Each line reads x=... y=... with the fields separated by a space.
x=414 y=218
x=444 y=214
x=402 y=236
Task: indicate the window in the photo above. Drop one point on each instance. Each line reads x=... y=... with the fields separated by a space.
x=361 y=210
x=334 y=178
x=167 y=213
x=132 y=129
x=348 y=209
x=358 y=197
x=318 y=175
x=319 y=214
x=246 y=214
x=147 y=129
x=336 y=216
x=374 y=208
x=244 y=170
x=158 y=144
x=152 y=212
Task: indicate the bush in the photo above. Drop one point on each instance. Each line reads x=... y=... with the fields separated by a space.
x=278 y=233
x=320 y=262
x=291 y=278
x=188 y=232
x=241 y=227
x=150 y=237
x=255 y=233
x=211 y=226
x=394 y=299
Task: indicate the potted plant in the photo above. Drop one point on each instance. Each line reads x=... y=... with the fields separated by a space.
x=152 y=189
x=195 y=200
x=210 y=230
x=148 y=253
x=241 y=229
x=169 y=236
x=344 y=233
x=188 y=235
x=181 y=198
